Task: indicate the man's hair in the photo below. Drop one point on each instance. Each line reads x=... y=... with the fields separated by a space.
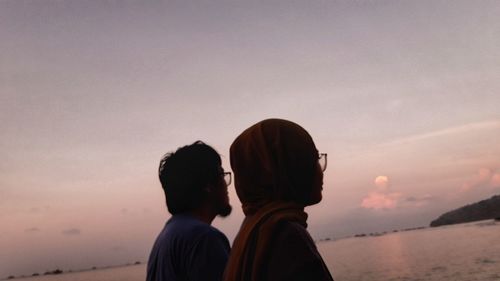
x=185 y=173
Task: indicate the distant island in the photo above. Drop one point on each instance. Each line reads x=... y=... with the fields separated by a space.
x=482 y=210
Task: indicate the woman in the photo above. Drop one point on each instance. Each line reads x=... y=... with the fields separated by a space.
x=277 y=174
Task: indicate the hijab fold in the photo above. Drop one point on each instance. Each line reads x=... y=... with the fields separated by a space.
x=249 y=254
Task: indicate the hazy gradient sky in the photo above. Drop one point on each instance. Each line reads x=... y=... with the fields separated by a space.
x=404 y=96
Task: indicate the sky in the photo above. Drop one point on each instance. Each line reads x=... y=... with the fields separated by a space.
x=404 y=96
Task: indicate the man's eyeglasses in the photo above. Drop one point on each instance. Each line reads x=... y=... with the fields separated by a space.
x=322 y=159
x=227 y=178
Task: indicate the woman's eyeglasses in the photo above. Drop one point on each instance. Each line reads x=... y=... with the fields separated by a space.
x=322 y=159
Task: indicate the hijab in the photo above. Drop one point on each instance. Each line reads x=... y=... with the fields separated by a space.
x=274 y=163
x=273 y=160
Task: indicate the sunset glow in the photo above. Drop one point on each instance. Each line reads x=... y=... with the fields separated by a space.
x=402 y=95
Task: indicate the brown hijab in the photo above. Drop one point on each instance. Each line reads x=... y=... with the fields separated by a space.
x=274 y=163
x=273 y=160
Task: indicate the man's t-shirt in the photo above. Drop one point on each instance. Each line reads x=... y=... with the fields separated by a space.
x=188 y=249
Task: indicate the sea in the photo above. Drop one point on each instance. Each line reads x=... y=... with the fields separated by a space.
x=464 y=252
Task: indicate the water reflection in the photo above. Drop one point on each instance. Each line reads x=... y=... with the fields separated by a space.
x=461 y=252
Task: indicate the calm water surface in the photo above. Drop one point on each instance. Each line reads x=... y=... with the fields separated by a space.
x=465 y=252
x=461 y=252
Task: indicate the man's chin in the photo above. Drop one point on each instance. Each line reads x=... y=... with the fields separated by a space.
x=225 y=211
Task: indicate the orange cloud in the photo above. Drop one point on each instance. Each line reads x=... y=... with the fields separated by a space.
x=378 y=200
x=484 y=174
x=382 y=182
x=495 y=180
x=484 y=177
x=382 y=198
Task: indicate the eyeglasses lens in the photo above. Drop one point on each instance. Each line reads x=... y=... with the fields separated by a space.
x=227 y=178
x=322 y=161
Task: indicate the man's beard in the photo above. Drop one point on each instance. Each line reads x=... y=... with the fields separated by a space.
x=225 y=211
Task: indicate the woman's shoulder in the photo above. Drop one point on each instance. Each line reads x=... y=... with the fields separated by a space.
x=292 y=239
x=294 y=231
x=294 y=255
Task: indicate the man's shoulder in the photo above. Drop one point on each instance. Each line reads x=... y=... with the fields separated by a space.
x=189 y=228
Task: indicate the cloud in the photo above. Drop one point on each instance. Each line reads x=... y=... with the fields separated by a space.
x=419 y=201
x=495 y=180
x=382 y=182
x=483 y=178
x=382 y=197
x=71 y=232
x=378 y=200
x=467 y=128
x=32 y=230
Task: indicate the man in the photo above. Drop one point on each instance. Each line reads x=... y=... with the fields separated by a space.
x=195 y=187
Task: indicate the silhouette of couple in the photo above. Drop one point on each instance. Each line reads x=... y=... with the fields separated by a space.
x=277 y=172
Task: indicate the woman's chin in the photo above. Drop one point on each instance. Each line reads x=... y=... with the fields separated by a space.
x=315 y=199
